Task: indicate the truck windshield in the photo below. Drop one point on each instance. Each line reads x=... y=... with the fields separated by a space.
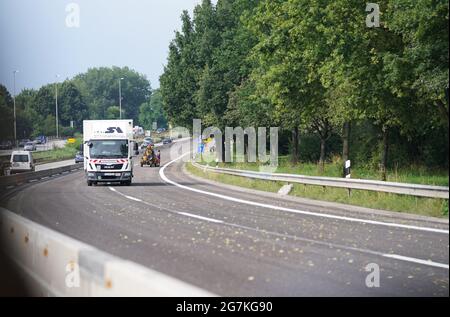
x=108 y=149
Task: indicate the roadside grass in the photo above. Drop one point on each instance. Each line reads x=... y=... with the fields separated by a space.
x=383 y=201
x=58 y=154
x=411 y=174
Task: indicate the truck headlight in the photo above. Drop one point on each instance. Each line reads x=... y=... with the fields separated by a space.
x=91 y=174
x=127 y=174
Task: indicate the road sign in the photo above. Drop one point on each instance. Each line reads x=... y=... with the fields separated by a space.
x=71 y=141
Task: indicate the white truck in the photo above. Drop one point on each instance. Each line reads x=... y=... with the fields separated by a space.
x=108 y=150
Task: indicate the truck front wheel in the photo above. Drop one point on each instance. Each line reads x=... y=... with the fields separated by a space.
x=89 y=183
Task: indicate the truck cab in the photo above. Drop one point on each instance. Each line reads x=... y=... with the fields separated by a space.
x=109 y=149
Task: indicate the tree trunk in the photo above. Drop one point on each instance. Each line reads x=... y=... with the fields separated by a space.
x=384 y=154
x=322 y=154
x=345 y=143
x=295 y=147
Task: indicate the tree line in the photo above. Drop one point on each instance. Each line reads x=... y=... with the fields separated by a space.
x=90 y=95
x=313 y=67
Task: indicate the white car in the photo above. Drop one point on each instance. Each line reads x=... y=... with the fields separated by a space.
x=30 y=146
x=22 y=161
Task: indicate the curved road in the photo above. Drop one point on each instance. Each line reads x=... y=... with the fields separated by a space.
x=241 y=243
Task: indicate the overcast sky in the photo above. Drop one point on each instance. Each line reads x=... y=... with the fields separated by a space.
x=37 y=40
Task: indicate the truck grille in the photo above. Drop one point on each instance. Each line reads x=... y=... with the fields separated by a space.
x=104 y=167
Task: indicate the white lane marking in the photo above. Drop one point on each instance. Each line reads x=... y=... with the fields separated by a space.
x=309 y=213
x=126 y=196
x=414 y=260
x=322 y=243
x=199 y=217
x=344 y=247
x=132 y=198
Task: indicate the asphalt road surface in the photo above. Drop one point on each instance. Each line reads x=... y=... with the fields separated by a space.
x=240 y=243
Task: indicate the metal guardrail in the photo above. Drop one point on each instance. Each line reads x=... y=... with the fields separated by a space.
x=17 y=179
x=361 y=184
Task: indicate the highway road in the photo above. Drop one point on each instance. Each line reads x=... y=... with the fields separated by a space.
x=238 y=242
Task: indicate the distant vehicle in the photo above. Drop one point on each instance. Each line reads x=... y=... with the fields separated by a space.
x=22 y=161
x=145 y=144
x=23 y=142
x=6 y=145
x=37 y=141
x=30 y=146
x=79 y=157
x=42 y=139
x=159 y=131
x=167 y=141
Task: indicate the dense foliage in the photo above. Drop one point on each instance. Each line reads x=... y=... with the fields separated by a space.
x=314 y=68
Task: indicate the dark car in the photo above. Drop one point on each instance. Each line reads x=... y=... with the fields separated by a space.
x=79 y=157
x=6 y=145
x=167 y=141
x=42 y=139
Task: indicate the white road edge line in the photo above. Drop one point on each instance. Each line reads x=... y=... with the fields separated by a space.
x=216 y=221
x=309 y=213
x=414 y=260
x=386 y=255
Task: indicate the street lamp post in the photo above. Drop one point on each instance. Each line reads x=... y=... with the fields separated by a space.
x=120 y=98
x=56 y=105
x=14 y=99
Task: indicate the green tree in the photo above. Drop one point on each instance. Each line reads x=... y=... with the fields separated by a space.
x=152 y=111
x=6 y=119
x=113 y=113
x=72 y=106
x=179 y=80
x=44 y=101
x=100 y=90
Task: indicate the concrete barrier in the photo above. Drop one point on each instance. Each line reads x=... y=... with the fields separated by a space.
x=53 y=264
x=17 y=179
